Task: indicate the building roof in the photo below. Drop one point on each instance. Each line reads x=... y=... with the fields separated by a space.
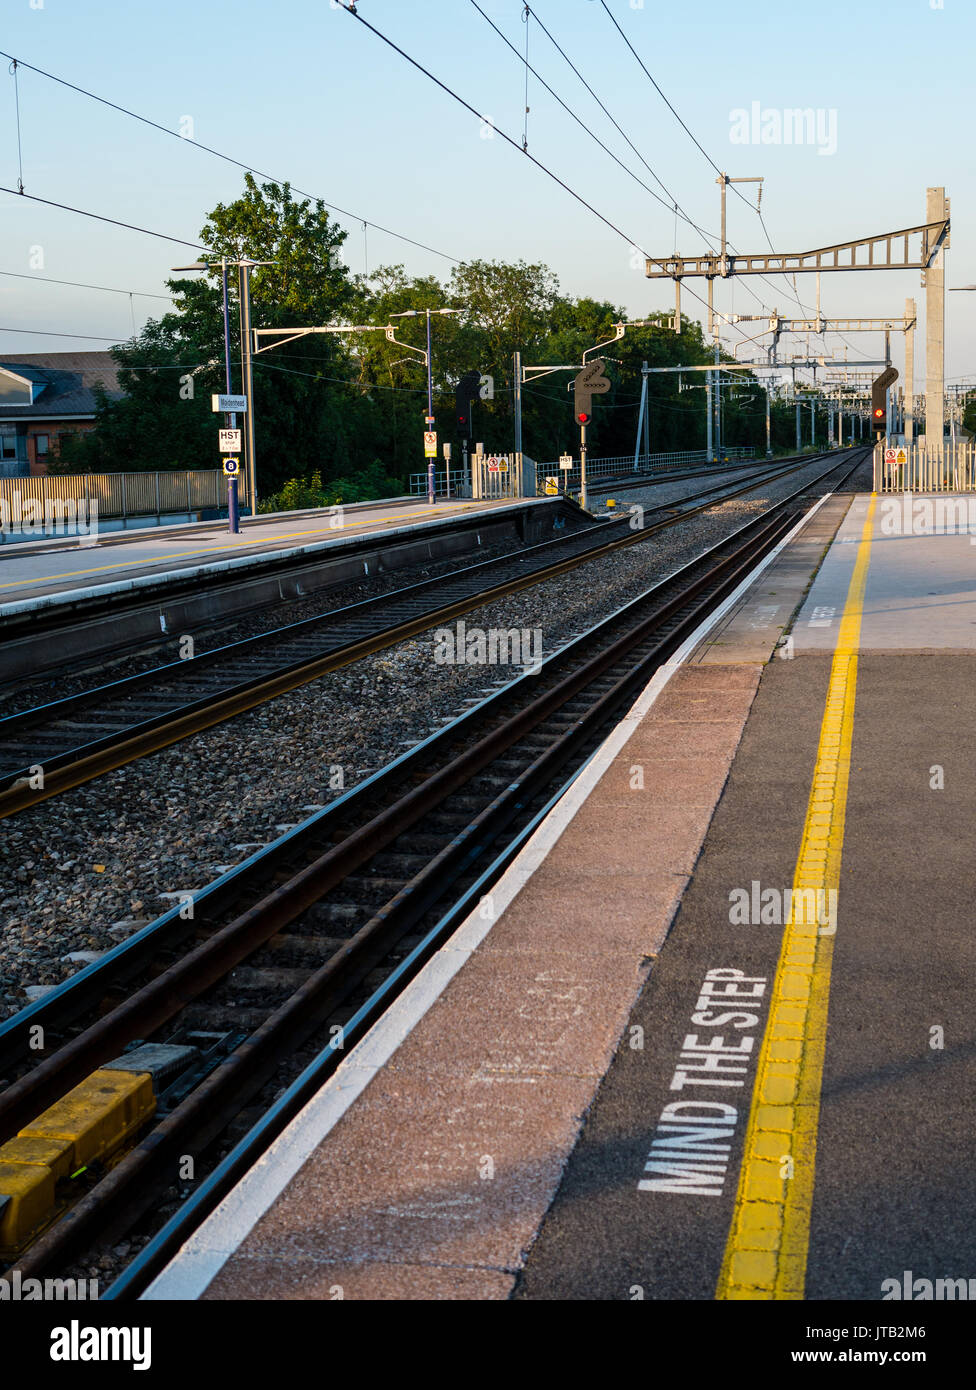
x=63 y=383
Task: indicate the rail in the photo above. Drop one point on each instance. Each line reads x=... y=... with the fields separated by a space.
x=917 y=468
x=611 y=466
x=350 y=936
x=59 y=502
x=621 y=465
x=460 y=483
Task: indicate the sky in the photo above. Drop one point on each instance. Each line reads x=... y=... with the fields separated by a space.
x=303 y=91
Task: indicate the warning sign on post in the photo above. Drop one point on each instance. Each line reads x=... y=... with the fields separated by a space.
x=430 y=444
x=552 y=487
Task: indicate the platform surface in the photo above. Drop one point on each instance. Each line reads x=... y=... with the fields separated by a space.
x=510 y=1130
x=61 y=565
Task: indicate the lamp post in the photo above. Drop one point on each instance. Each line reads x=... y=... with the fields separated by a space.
x=429 y=418
x=244 y=265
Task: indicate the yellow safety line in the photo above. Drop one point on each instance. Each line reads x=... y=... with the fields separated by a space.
x=228 y=545
x=766 y=1254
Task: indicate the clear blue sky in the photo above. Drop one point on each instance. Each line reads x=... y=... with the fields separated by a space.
x=302 y=91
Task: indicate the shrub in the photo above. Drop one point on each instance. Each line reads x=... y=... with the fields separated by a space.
x=298 y=494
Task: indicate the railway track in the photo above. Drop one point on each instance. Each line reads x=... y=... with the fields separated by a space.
x=50 y=748
x=290 y=957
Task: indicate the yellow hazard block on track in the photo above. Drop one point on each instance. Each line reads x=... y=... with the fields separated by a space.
x=86 y=1126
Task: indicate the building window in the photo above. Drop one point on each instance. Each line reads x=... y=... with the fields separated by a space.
x=8 y=445
x=41 y=445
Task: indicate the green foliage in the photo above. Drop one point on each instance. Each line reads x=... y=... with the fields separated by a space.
x=301 y=493
x=71 y=455
x=330 y=406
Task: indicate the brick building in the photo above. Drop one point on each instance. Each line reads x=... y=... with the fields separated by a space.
x=45 y=396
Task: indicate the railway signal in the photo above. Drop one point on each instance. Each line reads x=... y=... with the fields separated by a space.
x=468 y=390
x=590 y=382
x=879 y=399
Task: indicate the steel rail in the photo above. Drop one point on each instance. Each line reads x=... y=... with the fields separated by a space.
x=74 y=767
x=201 y=1116
x=250 y=1065
x=64 y=1004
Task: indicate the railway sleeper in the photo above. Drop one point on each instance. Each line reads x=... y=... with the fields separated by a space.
x=305 y=948
x=274 y=980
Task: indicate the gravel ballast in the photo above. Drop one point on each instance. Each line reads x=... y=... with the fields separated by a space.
x=26 y=694
x=84 y=869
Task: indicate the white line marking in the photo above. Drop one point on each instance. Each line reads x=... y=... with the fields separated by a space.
x=251 y=559
x=197 y=1263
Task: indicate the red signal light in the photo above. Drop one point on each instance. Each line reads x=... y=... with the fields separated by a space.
x=583 y=418
x=879 y=413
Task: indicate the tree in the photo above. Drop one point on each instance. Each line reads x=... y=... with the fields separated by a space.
x=349 y=407
x=309 y=412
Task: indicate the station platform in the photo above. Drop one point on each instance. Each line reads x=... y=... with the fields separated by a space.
x=131 y=591
x=712 y=1034
x=64 y=564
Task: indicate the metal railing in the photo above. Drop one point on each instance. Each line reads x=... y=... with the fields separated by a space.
x=622 y=465
x=917 y=468
x=615 y=466
x=460 y=483
x=117 y=495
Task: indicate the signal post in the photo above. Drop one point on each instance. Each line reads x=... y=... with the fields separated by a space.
x=588 y=383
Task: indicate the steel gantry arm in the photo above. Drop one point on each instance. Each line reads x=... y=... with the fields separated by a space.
x=823 y=324
x=532 y=373
x=289 y=335
x=845 y=255
x=619 y=329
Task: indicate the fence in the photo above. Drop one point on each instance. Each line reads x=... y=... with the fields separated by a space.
x=119 y=495
x=619 y=465
x=622 y=465
x=916 y=468
x=460 y=483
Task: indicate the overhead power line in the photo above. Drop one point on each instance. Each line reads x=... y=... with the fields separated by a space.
x=99 y=217
x=671 y=205
x=678 y=211
x=685 y=127
x=674 y=204
x=80 y=285
x=186 y=140
x=49 y=333
x=497 y=129
x=631 y=241
x=667 y=102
